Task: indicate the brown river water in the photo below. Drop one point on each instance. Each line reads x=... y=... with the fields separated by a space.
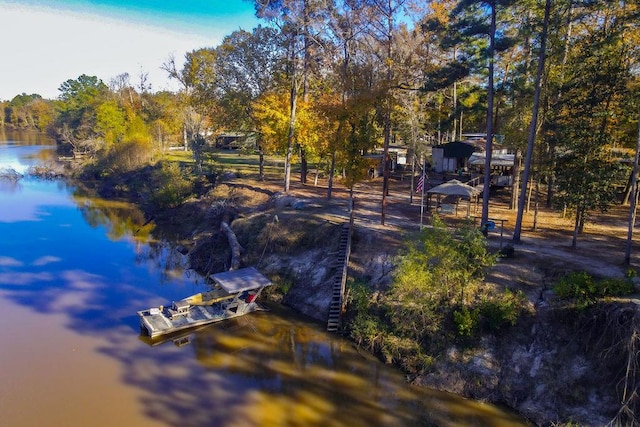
x=73 y=272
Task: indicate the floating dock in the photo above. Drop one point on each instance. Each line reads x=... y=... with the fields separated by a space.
x=234 y=294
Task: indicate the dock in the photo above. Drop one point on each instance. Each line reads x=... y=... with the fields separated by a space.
x=234 y=294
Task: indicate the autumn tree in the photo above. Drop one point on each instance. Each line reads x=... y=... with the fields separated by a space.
x=297 y=21
x=110 y=122
x=347 y=76
x=29 y=111
x=249 y=64
x=273 y=123
x=163 y=112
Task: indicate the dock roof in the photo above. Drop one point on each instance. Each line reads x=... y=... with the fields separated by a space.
x=243 y=279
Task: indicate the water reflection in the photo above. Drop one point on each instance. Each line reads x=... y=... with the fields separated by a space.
x=24 y=138
x=120 y=219
x=276 y=369
x=124 y=221
x=20 y=150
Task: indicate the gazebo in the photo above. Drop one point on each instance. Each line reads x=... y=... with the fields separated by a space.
x=453 y=188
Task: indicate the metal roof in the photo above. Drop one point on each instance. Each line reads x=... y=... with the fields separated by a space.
x=478 y=159
x=455 y=188
x=243 y=279
x=458 y=149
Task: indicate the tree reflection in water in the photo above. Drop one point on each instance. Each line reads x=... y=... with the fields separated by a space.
x=125 y=221
x=272 y=369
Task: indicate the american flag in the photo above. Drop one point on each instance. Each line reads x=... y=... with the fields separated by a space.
x=420 y=184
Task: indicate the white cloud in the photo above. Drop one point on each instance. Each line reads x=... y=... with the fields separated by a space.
x=42 y=48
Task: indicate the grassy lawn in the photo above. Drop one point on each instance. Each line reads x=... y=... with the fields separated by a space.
x=241 y=163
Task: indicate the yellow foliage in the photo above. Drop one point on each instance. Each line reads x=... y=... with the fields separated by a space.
x=272 y=113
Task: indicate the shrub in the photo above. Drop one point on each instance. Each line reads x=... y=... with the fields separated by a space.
x=502 y=310
x=365 y=327
x=405 y=352
x=126 y=156
x=615 y=287
x=466 y=321
x=437 y=273
x=584 y=290
x=170 y=187
x=578 y=285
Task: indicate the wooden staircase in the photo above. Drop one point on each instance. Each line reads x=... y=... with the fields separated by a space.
x=340 y=278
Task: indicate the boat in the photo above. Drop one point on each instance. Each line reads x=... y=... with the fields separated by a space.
x=234 y=294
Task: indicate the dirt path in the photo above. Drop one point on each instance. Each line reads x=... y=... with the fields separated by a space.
x=541 y=257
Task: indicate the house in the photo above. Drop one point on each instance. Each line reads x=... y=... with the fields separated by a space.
x=469 y=155
x=453 y=156
x=237 y=140
x=398 y=155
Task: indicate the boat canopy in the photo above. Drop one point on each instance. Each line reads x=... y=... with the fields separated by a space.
x=243 y=279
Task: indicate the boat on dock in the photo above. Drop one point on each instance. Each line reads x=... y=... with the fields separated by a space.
x=234 y=294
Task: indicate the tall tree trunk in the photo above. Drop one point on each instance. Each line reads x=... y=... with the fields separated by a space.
x=305 y=83
x=455 y=103
x=534 y=122
x=515 y=180
x=634 y=201
x=185 y=139
x=304 y=169
x=261 y=163
x=489 y=143
x=385 y=167
x=331 y=174
x=576 y=227
x=627 y=190
x=387 y=119
x=552 y=146
x=536 y=198
x=290 y=135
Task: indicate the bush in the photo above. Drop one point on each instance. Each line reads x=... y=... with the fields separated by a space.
x=438 y=272
x=584 y=290
x=502 y=310
x=405 y=352
x=365 y=328
x=126 y=156
x=615 y=287
x=170 y=187
x=466 y=321
x=578 y=285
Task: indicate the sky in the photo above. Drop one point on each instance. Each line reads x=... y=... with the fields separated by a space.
x=47 y=42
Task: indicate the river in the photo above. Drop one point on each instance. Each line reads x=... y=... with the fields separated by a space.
x=75 y=269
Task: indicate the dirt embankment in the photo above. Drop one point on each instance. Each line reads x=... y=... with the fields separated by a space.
x=552 y=367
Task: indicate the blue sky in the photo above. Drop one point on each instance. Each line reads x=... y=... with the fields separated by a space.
x=47 y=42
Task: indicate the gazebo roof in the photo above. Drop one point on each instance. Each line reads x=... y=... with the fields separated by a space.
x=454 y=188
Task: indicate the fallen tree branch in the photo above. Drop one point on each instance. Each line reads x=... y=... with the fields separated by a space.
x=233 y=244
